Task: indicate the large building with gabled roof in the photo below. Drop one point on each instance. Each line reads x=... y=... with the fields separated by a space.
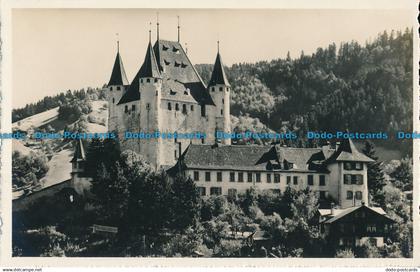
x=168 y=95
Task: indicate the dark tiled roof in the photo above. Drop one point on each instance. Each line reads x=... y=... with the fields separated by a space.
x=345 y=212
x=348 y=152
x=79 y=152
x=174 y=90
x=175 y=64
x=235 y=157
x=149 y=68
x=300 y=157
x=118 y=76
x=218 y=75
x=175 y=68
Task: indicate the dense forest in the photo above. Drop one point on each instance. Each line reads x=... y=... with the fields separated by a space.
x=363 y=88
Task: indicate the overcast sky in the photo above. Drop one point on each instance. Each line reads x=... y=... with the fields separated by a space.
x=56 y=50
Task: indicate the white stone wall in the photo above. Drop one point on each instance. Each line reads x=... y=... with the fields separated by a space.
x=226 y=184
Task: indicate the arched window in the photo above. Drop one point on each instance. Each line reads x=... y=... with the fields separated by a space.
x=184 y=108
x=148 y=80
x=169 y=106
x=176 y=107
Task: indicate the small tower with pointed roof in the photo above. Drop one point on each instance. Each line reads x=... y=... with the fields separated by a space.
x=80 y=182
x=219 y=89
x=117 y=87
x=150 y=90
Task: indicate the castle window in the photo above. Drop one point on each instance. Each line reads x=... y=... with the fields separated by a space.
x=133 y=107
x=258 y=177
x=148 y=106
x=232 y=192
x=192 y=107
x=164 y=48
x=268 y=178
x=215 y=190
x=221 y=89
x=110 y=88
x=208 y=175
x=201 y=191
x=196 y=176
x=203 y=110
x=232 y=177
x=347 y=179
x=176 y=107
x=249 y=177
x=126 y=109
x=240 y=177
x=310 y=180
x=288 y=179
x=118 y=88
x=276 y=178
x=219 y=176
x=227 y=89
x=169 y=106
x=349 y=195
x=113 y=100
x=177 y=64
x=148 y=80
x=221 y=112
x=141 y=80
x=359 y=195
x=322 y=180
x=295 y=180
x=212 y=89
x=184 y=109
x=155 y=80
x=223 y=101
x=176 y=154
x=202 y=140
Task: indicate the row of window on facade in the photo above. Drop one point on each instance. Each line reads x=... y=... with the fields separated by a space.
x=233 y=192
x=251 y=177
x=213 y=89
x=353 y=179
x=357 y=195
x=184 y=108
x=353 y=166
x=118 y=88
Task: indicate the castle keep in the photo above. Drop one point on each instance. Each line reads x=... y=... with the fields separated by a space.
x=167 y=95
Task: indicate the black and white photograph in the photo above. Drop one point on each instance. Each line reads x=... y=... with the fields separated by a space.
x=212 y=133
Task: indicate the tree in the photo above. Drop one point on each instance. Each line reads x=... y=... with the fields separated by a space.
x=403 y=175
x=376 y=179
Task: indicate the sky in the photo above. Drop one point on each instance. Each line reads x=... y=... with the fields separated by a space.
x=54 y=50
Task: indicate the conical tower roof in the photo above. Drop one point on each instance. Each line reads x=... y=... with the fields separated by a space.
x=118 y=76
x=218 y=75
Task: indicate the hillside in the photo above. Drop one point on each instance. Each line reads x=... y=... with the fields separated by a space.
x=58 y=152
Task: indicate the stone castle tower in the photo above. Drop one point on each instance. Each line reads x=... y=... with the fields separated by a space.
x=167 y=95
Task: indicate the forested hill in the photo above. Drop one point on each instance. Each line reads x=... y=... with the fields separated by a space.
x=351 y=86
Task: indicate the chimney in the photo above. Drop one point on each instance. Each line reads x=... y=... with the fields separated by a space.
x=337 y=145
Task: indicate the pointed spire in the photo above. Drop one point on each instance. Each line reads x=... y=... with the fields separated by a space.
x=150 y=32
x=157 y=26
x=218 y=75
x=150 y=66
x=178 y=30
x=79 y=152
x=118 y=76
x=118 y=43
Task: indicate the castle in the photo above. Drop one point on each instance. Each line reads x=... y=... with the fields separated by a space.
x=167 y=95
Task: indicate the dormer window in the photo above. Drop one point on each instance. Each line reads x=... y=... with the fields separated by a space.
x=183 y=65
x=177 y=64
x=164 y=48
x=174 y=49
x=166 y=62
